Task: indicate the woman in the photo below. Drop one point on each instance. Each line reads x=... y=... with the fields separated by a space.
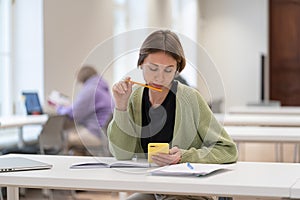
x=177 y=114
x=91 y=110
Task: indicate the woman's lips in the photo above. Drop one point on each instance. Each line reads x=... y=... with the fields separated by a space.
x=156 y=85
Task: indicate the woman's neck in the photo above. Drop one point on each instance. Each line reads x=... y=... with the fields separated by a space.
x=157 y=98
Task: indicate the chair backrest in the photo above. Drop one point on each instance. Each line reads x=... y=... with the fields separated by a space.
x=51 y=137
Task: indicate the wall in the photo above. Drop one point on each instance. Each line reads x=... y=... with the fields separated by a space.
x=72 y=29
x=234 y=32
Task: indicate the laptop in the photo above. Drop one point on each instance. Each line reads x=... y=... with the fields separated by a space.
x=32 y=103
x=11 y=164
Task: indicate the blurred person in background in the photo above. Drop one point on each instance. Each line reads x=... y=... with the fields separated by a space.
x=90 y=111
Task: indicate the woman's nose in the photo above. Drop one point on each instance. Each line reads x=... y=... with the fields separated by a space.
x=160 y=75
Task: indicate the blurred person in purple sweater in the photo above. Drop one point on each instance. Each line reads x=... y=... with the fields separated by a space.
x=91 y=110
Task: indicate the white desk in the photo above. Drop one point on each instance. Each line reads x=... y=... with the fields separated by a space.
x=280 y=110
x=258 y=120
x=22 y=120
x=264 y=134
x=269 y=131
x=267 y=134
x=246 y=179
x=18 y=121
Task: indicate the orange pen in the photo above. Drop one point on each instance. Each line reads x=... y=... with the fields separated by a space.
x=147 y=86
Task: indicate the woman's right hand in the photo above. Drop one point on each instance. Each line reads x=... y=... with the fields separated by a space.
x=121 y=92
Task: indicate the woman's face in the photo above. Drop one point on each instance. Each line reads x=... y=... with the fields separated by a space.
x=159 y=69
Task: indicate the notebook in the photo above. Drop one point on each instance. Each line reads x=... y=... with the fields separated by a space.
x=32 y=103
x=10 y=164
x=190 y=169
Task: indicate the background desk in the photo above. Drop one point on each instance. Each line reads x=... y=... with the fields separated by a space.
x=19 y=121
x=267 y=131
x=264 y=134
x=280 y=110
x=246 y=179
x=22 y=120
x=258 y=120
x=267 y=134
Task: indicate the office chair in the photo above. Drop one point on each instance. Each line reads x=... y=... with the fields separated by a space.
x=51 y=139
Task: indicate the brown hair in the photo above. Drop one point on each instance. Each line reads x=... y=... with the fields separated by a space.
x=85 y=73
x=165 y=41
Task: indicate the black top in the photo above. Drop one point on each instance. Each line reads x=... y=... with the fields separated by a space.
x=158 y=123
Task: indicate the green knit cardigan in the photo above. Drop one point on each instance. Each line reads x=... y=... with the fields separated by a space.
x=198 y=135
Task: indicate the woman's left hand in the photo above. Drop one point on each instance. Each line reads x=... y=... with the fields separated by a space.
x=162 y=159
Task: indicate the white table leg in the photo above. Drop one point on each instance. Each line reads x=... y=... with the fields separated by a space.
x=279 y=152
x=20 y=138
x=296 y=151
x=122 y=195
x=12 y=193
x=1 y=196
x=238 y=148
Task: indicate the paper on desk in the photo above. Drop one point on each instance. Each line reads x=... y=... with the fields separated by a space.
x=185 y=169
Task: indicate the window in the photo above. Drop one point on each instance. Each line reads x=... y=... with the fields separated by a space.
x=21 y=52
x=184 y=21
x=133 y=14
x=5 y=57
x=125 y=17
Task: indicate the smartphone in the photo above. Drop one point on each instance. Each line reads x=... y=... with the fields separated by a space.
x=154 y=148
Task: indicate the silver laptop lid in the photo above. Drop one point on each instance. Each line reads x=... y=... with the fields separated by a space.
x=10 y=164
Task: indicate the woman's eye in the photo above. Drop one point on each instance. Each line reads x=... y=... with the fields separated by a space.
x=168 y=70
x=153 y=68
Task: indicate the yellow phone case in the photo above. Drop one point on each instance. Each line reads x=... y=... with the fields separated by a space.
x=154 y=148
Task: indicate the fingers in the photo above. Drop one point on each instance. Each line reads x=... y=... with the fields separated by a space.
x=121 y=92
x=174 y=150
x=123 y=86
x=120 y=88
x=162 y=159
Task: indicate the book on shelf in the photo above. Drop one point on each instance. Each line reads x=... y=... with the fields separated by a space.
x=111 y=164
x=186 y=169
